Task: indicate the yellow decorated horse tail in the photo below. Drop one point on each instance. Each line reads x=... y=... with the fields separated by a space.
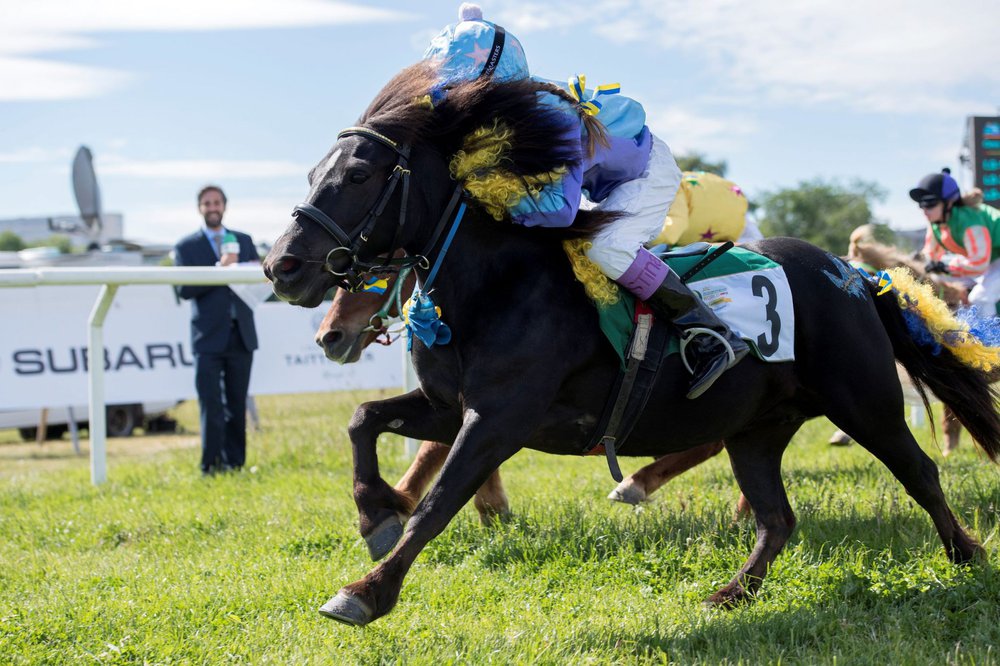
x=941 y=324
x=942 y=353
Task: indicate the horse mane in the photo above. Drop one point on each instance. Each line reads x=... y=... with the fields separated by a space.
x=502 y=140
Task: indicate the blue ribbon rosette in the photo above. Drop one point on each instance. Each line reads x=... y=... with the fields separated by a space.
x=423 y=320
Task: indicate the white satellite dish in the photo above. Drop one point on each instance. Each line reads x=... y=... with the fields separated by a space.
x=88 y=195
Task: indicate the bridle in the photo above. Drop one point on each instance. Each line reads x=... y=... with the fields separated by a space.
x=352 y=243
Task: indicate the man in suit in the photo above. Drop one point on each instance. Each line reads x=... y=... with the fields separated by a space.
x=223 y=336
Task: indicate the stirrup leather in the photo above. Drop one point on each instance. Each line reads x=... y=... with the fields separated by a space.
x=689 y=335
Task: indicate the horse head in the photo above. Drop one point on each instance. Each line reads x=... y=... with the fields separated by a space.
x=492 y=141
x=355 y=320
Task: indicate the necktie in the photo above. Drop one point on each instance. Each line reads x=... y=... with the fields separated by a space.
x=217 y=243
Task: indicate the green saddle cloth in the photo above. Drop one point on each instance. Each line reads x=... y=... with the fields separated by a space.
x=618 y=321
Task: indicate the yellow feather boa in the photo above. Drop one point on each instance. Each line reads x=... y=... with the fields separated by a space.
x=478 y=166
x=598 y=286
x=943 y=326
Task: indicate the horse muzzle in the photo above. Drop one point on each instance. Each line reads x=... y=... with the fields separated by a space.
x=341 y=346
x=294 y=282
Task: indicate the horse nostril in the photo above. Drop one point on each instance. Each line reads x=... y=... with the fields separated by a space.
x=284 y=268
x=289 y=265
x=330 y=338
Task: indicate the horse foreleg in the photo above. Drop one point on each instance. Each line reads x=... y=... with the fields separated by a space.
x=382 y=509
x=643 y=483
x=480 y=448
x=756 y=461
x=490 y=500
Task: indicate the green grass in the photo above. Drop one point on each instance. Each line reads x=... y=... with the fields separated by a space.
x=162 y=566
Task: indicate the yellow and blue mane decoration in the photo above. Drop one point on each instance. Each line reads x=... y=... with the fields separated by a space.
x=481 y=166
x=972 y=340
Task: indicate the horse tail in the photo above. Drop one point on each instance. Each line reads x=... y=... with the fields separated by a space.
x=941 y=353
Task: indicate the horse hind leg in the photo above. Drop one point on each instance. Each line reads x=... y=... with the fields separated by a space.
x=643 y=483
x=893 y=444
x=491 y=501
x=756 y=459
x=952 y=431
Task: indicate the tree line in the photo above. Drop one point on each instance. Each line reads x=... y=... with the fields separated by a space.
x=822 y=212
x=11 y=242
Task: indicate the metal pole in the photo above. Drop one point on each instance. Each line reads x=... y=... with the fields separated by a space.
x=409 y=383
x=74 y=432
x=42 y=431
x=95 y=369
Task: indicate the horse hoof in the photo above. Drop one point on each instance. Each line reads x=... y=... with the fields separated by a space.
x=347 y=608
x=728 y=598
x=384 y=537
x=493 y=518
x=840 y=438
x=628 y=493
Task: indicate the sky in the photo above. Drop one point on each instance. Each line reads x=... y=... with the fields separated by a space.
x=250 y=94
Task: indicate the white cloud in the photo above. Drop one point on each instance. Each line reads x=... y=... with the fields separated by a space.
x=36 y=155
x=23 y=79
x=70 y=17
x=899 y=56
x=46 y=26
x=200 y=170
x=525 y=17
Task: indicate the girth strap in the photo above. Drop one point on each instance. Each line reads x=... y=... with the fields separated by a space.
x=642 y=367
x=636 y=354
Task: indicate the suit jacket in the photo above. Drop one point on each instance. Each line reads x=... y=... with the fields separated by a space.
x=211 y=306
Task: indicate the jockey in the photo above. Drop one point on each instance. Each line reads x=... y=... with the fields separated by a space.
x=963 y=237
x=633 y=172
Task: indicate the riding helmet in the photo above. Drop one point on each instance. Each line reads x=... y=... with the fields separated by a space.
x=936 y=187
x=474 y=48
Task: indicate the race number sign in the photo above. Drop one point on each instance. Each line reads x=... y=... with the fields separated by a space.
x=757 y=305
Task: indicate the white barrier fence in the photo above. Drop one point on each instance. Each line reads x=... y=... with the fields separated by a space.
x=44 y=355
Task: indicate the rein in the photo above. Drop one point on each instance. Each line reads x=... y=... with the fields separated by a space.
x=387 y=320
x=352 y=243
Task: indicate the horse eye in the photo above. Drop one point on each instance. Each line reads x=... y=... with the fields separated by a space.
x=357 y=176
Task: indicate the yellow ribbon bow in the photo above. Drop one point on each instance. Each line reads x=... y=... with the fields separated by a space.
x=578 y=90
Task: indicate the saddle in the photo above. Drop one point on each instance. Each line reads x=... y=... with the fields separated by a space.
x=747 y=290
x=648 y=345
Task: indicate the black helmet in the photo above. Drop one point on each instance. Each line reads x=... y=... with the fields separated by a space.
x=935 y=187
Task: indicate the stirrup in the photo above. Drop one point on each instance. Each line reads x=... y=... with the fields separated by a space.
x=689 y=335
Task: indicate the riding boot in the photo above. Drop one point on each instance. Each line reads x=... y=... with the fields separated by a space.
x=716 y=348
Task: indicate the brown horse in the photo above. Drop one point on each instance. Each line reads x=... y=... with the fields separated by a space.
x=355 y=321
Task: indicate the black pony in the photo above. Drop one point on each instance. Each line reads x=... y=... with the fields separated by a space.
x=527 y=366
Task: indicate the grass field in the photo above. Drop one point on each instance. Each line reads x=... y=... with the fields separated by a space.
x=162 y=566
